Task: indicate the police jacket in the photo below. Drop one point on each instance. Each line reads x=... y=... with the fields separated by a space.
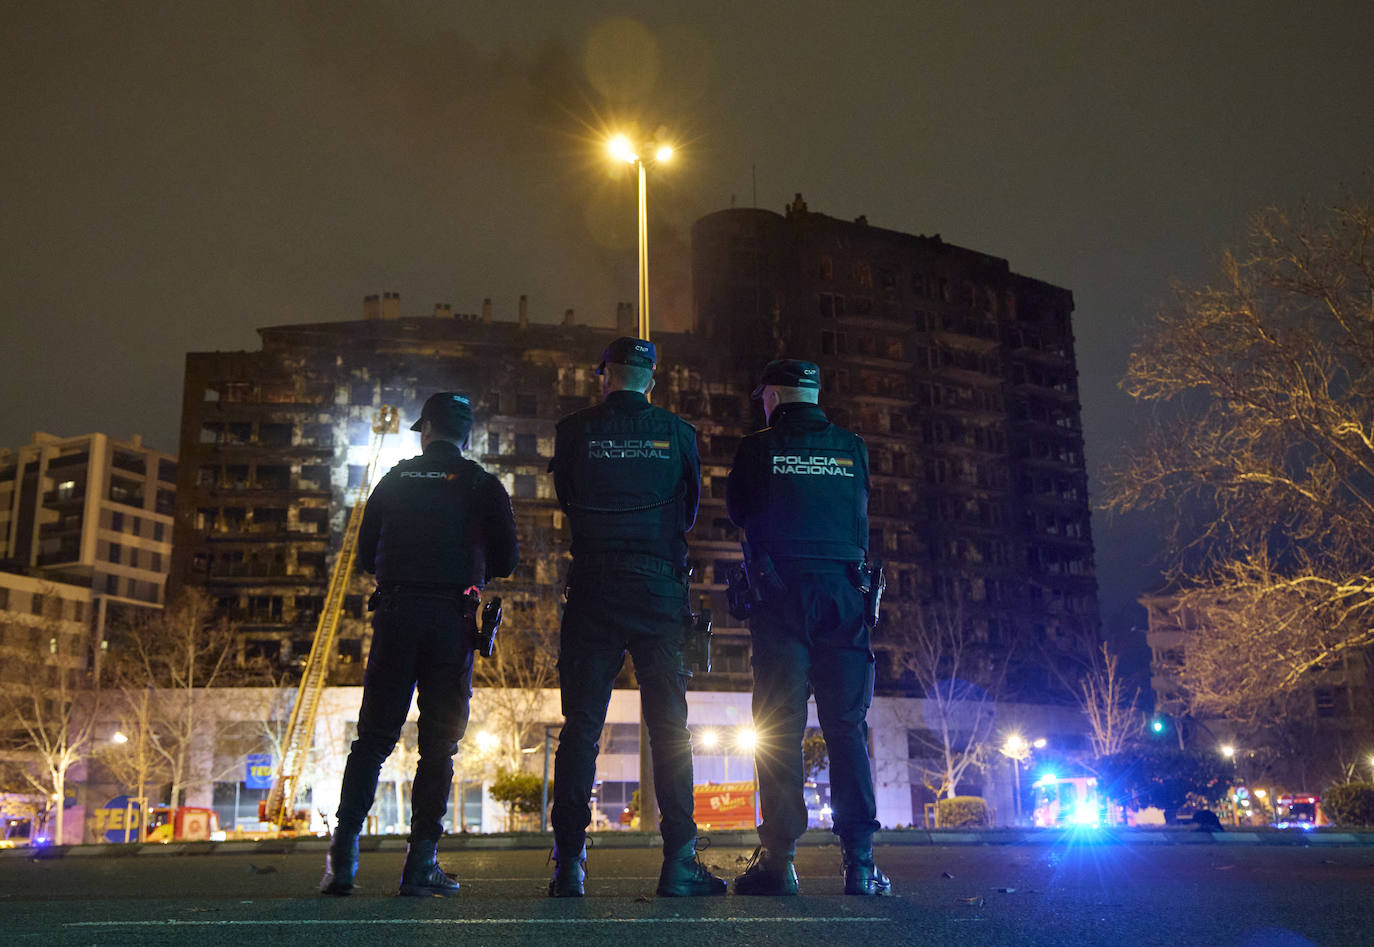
x=799 y=488
x=628 y=476
x=438 y=520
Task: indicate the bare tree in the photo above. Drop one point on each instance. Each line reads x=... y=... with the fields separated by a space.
x=54 y=724
x=159 y=666
x=959 y=683
x=1262 y=448
x=131 y=759
x=516 y=677
x=1114 y=717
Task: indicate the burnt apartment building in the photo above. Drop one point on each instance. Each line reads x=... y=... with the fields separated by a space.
x=959 y=374
x=274 y=445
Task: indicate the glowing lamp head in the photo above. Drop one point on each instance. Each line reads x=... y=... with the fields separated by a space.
x=664 y=153
x=709 y=739
x=1040 y=744
x=119 y=737
x=1014 y=745
x=619 y=148
x=746 y=739
x=486 y=740
x=1228 y=751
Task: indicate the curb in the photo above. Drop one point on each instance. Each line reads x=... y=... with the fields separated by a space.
x=732 y=839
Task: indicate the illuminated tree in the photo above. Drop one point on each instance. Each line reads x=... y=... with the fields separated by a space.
x=159 y=664
x=524 y=666
x=1260 y=455
x=52 y=725
x=959 y=684
x=1114 y=720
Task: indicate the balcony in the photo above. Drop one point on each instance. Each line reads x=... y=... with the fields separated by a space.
x=68 y=525
x=68 y=461
x=129 y=463
x=65 y=496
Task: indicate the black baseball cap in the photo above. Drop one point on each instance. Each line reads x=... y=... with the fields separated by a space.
x=447 y=410
x=639 y=353
x=789 y=373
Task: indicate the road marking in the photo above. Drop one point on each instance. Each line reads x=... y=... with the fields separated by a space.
x=306 y=922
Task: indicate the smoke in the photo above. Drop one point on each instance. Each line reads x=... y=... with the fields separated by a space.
x=516 y=135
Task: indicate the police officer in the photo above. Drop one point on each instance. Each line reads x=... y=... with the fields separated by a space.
x=628 y=477
x=799 y=489
x=436 y=525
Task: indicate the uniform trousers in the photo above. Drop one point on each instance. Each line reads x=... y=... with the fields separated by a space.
x=812 y=633
x=419 y=642
x=611 y=611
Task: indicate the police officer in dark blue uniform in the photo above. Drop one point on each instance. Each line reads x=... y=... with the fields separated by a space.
x=799 y=489
x=436 y=525
x=628 y=476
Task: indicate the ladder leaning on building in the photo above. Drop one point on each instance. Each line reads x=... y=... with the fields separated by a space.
x=278 y=808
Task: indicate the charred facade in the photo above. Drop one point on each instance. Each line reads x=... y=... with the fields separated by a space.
x=959 y=374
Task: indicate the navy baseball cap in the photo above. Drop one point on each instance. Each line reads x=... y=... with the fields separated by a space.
x=789 y=373
x=447 y=410
x=639 y=353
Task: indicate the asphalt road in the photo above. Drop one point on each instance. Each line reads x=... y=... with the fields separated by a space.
x=1022 y=895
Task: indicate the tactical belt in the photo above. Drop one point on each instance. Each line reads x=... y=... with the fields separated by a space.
x=437 y=589
x=629 y=562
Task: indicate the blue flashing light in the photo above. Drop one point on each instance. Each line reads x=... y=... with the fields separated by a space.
x=1083 y=817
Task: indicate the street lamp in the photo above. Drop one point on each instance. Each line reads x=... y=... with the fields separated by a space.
x=1228 y=751
x=621 y=149
x=1018 y=750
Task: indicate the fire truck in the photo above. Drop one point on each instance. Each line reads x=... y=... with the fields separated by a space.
x=1067 y=801
x=1300 y=812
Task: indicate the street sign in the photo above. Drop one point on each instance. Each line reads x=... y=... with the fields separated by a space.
x=119 y=820
x=259 y=771
x=725 y=806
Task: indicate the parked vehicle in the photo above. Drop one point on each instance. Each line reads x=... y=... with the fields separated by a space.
x=1067 y=801
x=1300 y=812
x=182 y=824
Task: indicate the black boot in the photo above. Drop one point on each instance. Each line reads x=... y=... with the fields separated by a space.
x=341 y=864
x=569 y=873
x=422 y=877
x=684 y=876
x=768 y=873
x=861 y=876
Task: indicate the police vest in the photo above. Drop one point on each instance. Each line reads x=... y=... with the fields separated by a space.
x=627 y=483
x=426 y=526
x=815 y=502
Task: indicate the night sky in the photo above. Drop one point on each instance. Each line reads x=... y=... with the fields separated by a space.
x=175 y=175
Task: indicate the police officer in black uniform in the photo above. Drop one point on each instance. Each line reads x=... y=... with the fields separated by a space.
x=436 y=525
x=799 y=489
x=629 y=479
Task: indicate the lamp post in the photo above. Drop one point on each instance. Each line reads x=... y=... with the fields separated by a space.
x=621 y=149
x=1018 y=750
